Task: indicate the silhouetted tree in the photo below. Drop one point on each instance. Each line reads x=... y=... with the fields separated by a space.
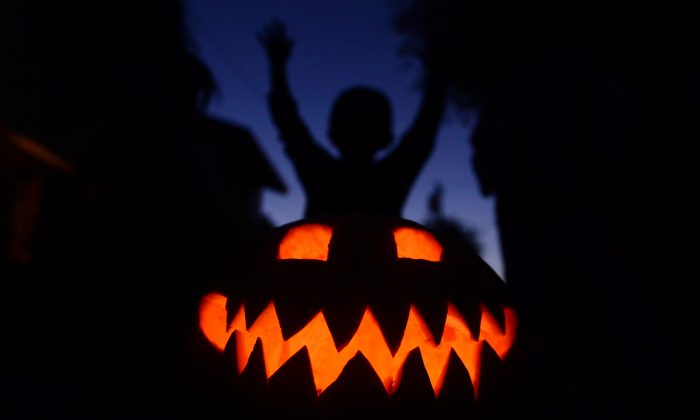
x=572 y=114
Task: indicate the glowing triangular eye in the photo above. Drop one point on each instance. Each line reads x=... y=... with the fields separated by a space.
x=306 y=242
x=417 y=244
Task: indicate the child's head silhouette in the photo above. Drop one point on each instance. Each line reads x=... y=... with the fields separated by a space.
x=361 y=123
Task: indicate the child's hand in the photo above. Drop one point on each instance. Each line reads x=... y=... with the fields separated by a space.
x=276 y=42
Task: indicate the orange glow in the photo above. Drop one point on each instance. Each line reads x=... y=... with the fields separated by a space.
x=306 y=242
x=41 y=153
x=417 y=244
x=327 y=362
x=212 y=319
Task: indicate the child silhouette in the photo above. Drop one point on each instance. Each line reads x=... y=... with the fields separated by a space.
x=360 y=126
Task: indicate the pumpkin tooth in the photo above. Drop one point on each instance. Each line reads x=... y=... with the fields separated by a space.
x=294 y=314
x=392 y=318
x=293 y=381
x=252 y=375
x=232 y=306
x=489 y=364
x=358 y=387
x=343 y=319
x=458 y=387
x=253 y=308
x=497 y=313
x=472 y=317
x=434 y=314
x=413 y=384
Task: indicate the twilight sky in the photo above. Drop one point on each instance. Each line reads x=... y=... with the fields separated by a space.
x=338 y=43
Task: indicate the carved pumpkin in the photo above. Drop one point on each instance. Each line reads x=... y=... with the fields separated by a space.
x=361 y=314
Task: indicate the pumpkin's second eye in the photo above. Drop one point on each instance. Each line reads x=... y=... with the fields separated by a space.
x=417 y=244
x=306 y=242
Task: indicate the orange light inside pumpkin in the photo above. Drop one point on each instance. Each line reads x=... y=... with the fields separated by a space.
x=417 y=244
x=327 y=362
x=306 y=242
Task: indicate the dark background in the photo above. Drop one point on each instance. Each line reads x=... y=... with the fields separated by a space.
x=121 y=193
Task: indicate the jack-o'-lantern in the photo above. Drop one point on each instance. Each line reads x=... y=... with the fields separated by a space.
x=362 y=315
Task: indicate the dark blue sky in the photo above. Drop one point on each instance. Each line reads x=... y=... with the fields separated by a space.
x=338 y=43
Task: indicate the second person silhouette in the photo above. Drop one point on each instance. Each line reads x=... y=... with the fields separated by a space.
x=360 y=126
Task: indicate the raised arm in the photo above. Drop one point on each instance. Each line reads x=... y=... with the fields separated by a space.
x=419 y=140
x=435 y=58
x=278 y=47
x=423 y=131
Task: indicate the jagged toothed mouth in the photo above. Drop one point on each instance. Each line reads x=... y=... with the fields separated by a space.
x=327 y=360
